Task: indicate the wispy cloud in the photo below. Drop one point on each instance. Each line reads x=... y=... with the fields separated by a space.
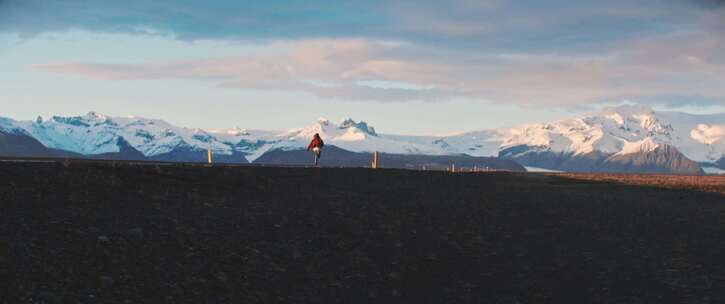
x=561 y=52
x=502 y=25
x=651 y=69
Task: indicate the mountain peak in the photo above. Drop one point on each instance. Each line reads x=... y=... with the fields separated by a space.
x=91 y=118
x=238 y=131
x=642 y=146
x=93 y=115
x=631 y=118
x=362 y=126
x=323 y=121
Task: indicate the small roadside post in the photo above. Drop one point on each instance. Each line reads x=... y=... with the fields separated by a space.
x=376 y=157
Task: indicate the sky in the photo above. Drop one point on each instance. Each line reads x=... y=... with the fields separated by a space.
x=406 y=67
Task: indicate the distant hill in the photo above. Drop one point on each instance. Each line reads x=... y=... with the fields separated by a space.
x=661 y=159
x=334 y=156
x=19 y=145
x=22 y=145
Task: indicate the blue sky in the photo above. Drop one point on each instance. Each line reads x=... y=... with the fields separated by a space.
x=405 y=66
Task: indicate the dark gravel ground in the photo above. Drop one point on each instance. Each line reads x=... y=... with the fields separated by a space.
x=103 y=233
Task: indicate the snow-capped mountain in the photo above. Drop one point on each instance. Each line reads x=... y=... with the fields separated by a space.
x=354 y=136
x=94 y=134
x=621 y=130
x=605 y=139
x=627 y=138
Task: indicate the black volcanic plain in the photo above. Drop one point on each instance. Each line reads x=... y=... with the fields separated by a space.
x=112 y=232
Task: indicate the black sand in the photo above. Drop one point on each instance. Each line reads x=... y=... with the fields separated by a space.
x=97 y=233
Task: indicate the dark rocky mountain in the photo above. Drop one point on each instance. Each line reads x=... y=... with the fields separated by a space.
x=186 y=153
x=337 y=157
x=547 y=159
x=721 y=163
x=663 y=159
x=17 y=145
x=127 y=152
x=21 y=145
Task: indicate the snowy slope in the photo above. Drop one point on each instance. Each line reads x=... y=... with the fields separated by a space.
x=613 y=131
x=476 y=143
x=620 y=130
x=10 y=126
x=713 y=171
x=352 y=136
x=95 y=133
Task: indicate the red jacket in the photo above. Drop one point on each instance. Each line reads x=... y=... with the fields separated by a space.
x=316 y=143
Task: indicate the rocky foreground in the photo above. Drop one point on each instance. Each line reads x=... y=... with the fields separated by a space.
x=121 y=233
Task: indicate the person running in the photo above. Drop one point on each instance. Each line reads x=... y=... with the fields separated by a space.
x=316 y=146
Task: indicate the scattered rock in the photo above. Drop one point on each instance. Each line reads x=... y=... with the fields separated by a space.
x=104 y=239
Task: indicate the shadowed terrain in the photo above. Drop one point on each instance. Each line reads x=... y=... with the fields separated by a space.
x=104 y=232
x=334 y=156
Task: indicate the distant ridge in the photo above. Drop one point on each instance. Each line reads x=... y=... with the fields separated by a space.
x=621 y=139
x=334 y=156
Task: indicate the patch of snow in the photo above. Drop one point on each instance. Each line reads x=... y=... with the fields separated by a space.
x=713 y=170
x=7 y=125
x=645 y=145
x=540 y=170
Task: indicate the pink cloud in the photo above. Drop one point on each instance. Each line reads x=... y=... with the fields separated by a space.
x=690 y=64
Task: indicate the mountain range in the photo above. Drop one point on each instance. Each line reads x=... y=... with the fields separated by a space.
x=620 y=139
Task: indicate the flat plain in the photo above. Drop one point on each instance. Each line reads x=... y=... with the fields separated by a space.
x=113 y=232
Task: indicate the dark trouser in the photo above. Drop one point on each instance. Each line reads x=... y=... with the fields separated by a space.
x=317 y=152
